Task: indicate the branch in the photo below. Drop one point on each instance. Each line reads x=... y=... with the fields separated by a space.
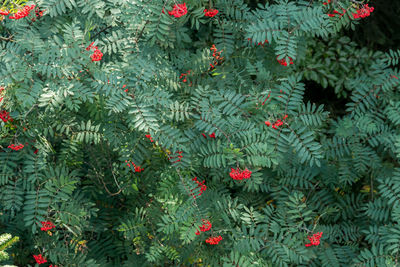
x=106 y=28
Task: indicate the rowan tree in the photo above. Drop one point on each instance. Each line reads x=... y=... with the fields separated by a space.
x=167 y=133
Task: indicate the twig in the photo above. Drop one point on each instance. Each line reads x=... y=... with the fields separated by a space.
x=106 y=28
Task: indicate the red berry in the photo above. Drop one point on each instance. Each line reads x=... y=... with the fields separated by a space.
x=238 y=174
x=178 y=10
x=213 y=240
x=210 y=12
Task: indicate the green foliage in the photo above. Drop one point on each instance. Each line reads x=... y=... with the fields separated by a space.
x=6 y=241
x=111 y=147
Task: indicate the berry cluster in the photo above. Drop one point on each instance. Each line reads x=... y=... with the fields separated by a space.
x=205 y=227
x=177 y=157
x=47 y=226
x=5 y=116
x=238 y=174
x=335 y=12
x=283 y=61
x=213 y=240
x=363 y=12
x=325 y=3
x=16 y=147
x=149 y=137
x=22 y=13
x=4 y=12
x=210 y=12
x=123 y=86
x=178 y=11
x=277 y=123
x=39 y=259
x=200 y=185
x=38 y=13
x=315 y=239
x=216 y=55
x=263 y=43
x=183 y=76
x=211 y=135
x=137 y=168
x=259 y=43
x=97 y=55
x=269 y=94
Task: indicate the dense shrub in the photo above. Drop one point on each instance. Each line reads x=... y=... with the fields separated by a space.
x=164 y=133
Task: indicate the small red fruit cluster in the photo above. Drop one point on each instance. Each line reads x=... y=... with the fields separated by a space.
x=5 y=116
x=178 y=11
x=283 y=61
x=200 y=185
x=149 y=137
x=22 y=13
x=335 y=12
x=213 y=240
x=263 y=43
x=4 y=12
x=16 y=147
x=260 y=43
x=210 y=12
x=205 y=227
x=315 y=239
x=123 y=86
x=177 y=156
x=325 y=3
x=183 y=76
x=277 y=123
x=47 y=226
x=211 y=135
x=216 y=55
x=39 y=259
x=238 y=174
x=363 y=12
x=137 y=168
x=1 y=90
x=269 y=94
x=38 y=13
x=97 y=55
